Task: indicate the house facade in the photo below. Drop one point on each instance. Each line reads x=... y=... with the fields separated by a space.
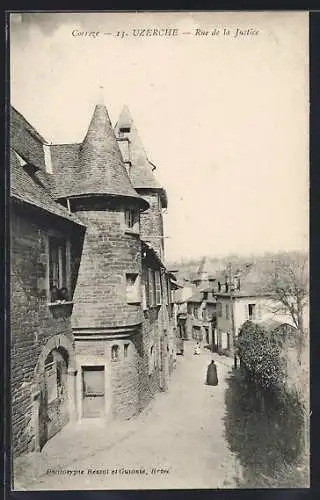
x=240 y=300
x=201 y=308
x=90 y=294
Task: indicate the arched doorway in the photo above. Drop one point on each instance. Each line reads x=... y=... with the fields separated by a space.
x=53 y=407
x=54 y=389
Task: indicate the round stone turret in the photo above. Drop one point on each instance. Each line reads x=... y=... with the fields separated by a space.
x=107 y=296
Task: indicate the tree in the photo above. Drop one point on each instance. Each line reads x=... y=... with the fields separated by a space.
x=286 y=283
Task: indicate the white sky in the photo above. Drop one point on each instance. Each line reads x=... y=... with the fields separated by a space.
x=225 y=120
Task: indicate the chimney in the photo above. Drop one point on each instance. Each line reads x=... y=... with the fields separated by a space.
x=47 y=158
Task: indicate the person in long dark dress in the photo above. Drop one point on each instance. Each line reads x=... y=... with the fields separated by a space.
x=212 y=375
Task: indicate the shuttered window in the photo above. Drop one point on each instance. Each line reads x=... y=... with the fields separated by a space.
x=227 y=311
x=57 y=263
x=158 y=297
x=151 y=287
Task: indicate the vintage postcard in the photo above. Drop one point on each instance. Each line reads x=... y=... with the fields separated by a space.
x=159 y=250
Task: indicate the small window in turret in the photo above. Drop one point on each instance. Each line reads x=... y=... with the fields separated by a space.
x=131 y=220
x=115 y=353
x=123 y=131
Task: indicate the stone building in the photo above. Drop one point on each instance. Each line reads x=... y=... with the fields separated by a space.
x=201 y=307
x=242 y=300
x=43 y=365
x=90 y=294
x=141 y=173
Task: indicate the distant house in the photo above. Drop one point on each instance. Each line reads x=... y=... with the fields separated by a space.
x=180 y=295
x=240 y=301
x=201 y=307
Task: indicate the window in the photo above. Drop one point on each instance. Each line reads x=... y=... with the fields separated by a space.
x=219 y=286
x=123 y=131
x=237 y=284
x=154 y=280
x=219 y=309
x=227 y=311
x=133 y=288
x=115 y=353
x=58 y=269
x=125 y=350
x=195 y=311
x=169 y=293
x=252 y=312
x=228 y=340
x=131 y=220
x=158 y=288
x=205 y=295
x=151 y=286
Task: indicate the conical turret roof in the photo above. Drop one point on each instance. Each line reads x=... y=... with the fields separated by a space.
x=101 y=169
x=141 y=174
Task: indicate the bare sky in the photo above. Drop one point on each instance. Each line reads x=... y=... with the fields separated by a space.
x=225 y=119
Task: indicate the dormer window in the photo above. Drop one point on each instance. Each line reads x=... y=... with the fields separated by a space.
x=131 y=220
x=123 y=131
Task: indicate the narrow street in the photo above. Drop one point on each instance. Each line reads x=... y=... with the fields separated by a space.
x=177 y=443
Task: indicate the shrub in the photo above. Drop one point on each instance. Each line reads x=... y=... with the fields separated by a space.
x=260 y=354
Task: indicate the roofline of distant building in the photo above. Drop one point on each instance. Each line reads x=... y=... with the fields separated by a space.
x=240 y=295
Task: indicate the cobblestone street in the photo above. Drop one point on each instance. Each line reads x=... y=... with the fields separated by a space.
x=178 y=442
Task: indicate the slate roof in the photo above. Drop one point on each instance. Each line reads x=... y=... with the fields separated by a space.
x=251 y=278
x=66 y=166
x=32 y=188
x=94 y=167
x=141 y=171
x=26 y=140
x=150 y=252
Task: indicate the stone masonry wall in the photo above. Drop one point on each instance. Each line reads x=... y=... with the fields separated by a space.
x=151 y=222
x=32 y=322
x=122 y=389
x=108 y=254
x=150 y=365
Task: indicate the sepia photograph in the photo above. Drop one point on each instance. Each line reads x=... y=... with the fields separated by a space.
x=159 y=250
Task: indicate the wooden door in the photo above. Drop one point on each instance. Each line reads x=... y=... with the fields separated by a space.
x=93 y=391
x=43 y=417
